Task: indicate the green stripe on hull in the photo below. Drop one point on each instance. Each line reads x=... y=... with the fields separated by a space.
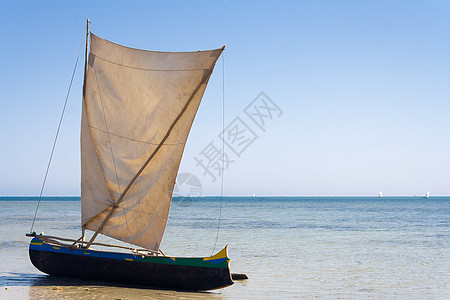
x=187 y=261
x=220 y=260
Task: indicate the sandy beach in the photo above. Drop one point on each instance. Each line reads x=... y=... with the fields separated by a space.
x=89 y=291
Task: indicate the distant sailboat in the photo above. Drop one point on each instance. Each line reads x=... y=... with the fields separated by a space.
x=380 y=195
x=427 y=195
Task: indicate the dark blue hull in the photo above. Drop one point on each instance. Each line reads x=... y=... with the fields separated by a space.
x=157 y=272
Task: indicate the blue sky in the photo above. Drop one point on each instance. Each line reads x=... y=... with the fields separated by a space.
x=364 y=89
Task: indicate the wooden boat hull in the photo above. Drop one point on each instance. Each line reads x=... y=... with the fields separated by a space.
x=153 y=271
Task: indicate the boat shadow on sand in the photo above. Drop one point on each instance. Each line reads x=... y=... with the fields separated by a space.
x=26 y=279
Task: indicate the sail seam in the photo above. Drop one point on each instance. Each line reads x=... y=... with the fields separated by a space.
x=129 y=210
x=126 y=222
x=84 y=108
x=134 y=140
x=150 y=69
x=137 y=211
x=110 y=201
x=106 y=125
x=147 y=213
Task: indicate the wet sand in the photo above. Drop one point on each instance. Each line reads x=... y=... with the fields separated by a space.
x=95 y=292
x=51 y=287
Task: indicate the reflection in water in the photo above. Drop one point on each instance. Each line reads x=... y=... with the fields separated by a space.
x=19 y=279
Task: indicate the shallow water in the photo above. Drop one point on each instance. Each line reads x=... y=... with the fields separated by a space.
x=321 y=247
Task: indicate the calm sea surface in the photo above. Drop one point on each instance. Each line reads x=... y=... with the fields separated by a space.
x=321 y=247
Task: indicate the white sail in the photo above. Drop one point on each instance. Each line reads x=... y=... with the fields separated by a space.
x=380 y=195
x=133 y=100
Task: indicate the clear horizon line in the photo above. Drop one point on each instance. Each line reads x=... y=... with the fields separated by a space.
x=250 y=196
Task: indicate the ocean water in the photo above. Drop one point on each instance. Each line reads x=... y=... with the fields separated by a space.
x=296 y=247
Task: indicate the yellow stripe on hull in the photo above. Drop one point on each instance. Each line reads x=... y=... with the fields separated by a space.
x=222 y=254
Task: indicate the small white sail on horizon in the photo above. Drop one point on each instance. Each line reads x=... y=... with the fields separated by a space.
x=427 y=195
x=380 y=195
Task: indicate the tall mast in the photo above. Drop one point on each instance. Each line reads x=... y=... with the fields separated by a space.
x=88 y=30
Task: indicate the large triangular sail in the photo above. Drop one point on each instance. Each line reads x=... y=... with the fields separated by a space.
x=137 y=105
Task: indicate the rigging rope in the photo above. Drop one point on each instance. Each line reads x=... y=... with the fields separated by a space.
x=223 y=150
x=56 y=137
